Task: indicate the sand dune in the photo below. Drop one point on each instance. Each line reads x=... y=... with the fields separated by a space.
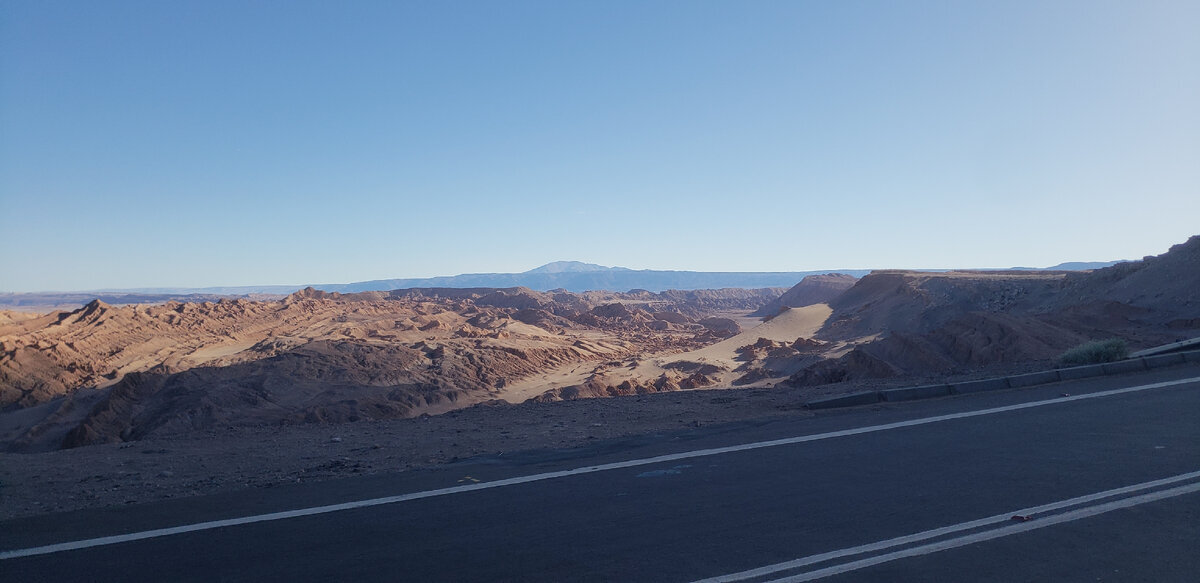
x=715 y=365
x=790 y=324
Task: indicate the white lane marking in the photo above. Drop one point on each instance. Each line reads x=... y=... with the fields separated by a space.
x=120 y=538
x=992 y=534
x=675 y=471
x=945 y=530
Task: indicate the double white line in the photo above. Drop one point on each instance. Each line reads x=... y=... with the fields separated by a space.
x=1030 y=519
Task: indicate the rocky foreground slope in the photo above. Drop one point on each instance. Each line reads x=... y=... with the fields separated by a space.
x=893 y=323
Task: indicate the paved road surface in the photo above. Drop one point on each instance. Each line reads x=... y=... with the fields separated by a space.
x=924 y=491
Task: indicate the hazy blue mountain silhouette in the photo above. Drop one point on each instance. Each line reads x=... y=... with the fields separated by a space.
x=578 y=277
x=575 y=276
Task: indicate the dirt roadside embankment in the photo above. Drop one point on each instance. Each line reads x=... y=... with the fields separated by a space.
x=255 y=457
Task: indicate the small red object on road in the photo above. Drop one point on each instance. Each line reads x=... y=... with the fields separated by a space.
x=1022 y=518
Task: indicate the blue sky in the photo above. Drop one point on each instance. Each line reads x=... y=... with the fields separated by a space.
x=236 y=143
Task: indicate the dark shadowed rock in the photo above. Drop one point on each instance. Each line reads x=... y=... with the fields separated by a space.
x=814 y=289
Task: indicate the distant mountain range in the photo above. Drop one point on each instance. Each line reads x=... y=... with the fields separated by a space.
x=575 y=276
x=572 y=276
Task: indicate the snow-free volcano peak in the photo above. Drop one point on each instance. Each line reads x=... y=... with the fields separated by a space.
x=573 y=267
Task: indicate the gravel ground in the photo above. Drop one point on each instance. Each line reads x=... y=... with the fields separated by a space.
x=238 y=458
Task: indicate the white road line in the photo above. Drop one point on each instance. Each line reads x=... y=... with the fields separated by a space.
x=945 y=530
x=160 y=532
x=992 y=534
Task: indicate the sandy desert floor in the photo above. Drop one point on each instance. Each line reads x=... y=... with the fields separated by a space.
x=787 y=327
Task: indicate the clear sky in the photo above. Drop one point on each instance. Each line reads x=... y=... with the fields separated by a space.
x=196 y=143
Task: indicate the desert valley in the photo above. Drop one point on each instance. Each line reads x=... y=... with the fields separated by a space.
x=103 y=373
x=586 y=291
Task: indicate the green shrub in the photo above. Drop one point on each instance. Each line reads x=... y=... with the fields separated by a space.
x=1096 y=352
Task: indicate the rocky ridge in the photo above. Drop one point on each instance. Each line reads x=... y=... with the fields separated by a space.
x=107 y=373
x=895 y=323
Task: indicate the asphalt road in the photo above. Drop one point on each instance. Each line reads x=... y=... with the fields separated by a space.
x=920 y=491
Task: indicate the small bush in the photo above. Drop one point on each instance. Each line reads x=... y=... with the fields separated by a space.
x=1096 y=352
